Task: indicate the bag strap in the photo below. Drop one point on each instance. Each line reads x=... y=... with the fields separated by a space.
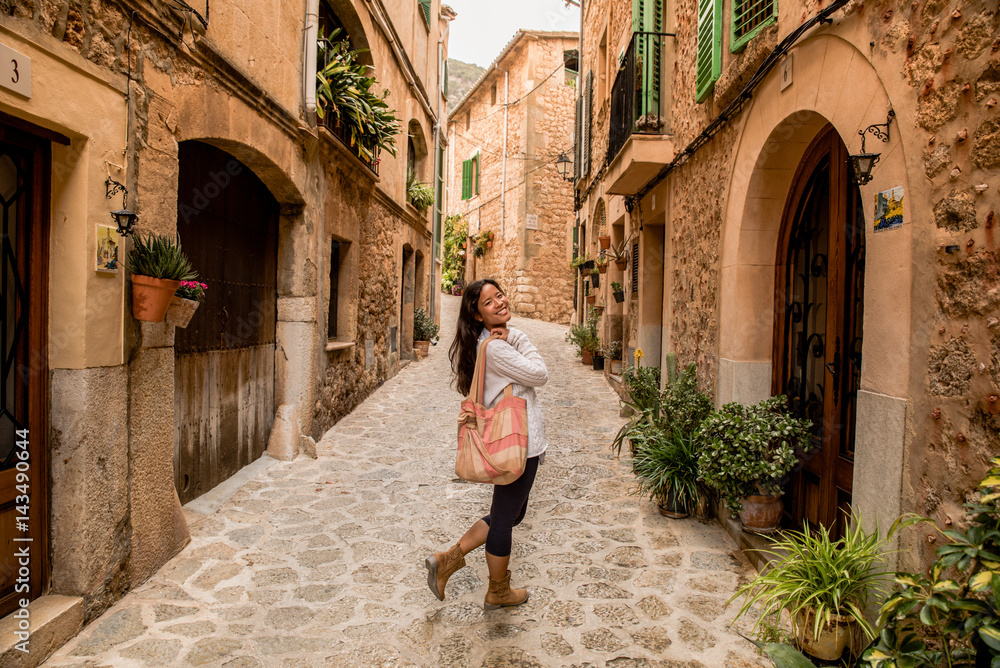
x=478 y=384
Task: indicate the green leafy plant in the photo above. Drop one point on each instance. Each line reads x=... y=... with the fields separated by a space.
x=616 y=286
x=614 y=350
x=642 y=398
x=749 y=450
x=949 y=617
x=159 y=257
x=424 y=328
x=456 y=232
x=666 y=466
x=810 y=572
x=347 y=94
x=420 y=195
x=683 y=407
x=482 y=239
x=579 y=261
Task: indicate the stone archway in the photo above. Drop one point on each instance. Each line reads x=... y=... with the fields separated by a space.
x=774 y=135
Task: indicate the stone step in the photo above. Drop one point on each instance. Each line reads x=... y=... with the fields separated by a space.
x=53 y=621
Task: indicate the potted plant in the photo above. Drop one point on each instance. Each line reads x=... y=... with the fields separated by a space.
x=602 y=267
x=185 y=302
x=482 y=243
x=598 y=309
x=424 y=331
x=825 y=586
x=666 y=468
x=584 y=337
x=605 y=241
x=613 y=352
x=598 y=358
x=618 y=290
x=420 y=195
x=578 y=262
x=158 y=265
x=619 y=254
x=747 y=452
x=595 y=277
x=591 y=297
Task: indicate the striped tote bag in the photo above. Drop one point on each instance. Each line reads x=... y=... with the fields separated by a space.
x=492 y=442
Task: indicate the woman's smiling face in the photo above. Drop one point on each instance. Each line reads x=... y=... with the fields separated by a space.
x=493 y=310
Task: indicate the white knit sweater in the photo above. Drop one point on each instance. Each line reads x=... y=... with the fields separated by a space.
x=517 y=361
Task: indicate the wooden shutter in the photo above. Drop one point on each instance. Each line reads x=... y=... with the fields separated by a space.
x=425 y=7
x=478 y=166
x=577 y=139
x=331 y=329
x=709 y=46
x=588 y=95
x=748 y=18
x=635 y=267
x=466 y=179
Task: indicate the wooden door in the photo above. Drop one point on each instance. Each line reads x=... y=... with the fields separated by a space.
x=224 y=360
x=24 y=196
x=819 y=312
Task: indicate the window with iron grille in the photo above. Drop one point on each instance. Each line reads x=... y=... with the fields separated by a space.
x=709 y=65
x=749 y=17
x=635 y=267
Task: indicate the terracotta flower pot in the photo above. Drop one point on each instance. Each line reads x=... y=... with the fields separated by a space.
x=422 y=348
x=591 y=299
x=605 y=241
x=832 y=639
x=598 y=310
x=603 y=268
x=489 y=244
x=587 y=356
x=621 y=263
x=151 y=297
x=180 y=311
x=761 y=514
x=616 y=367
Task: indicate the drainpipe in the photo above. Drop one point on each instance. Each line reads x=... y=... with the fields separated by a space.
x=503 y=163
x=310 y=35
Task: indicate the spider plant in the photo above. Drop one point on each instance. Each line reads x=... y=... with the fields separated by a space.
x=666 y=466
x=813 y=572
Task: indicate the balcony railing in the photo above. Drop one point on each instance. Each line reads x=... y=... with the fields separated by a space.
x=341 y=132
x=638 y=97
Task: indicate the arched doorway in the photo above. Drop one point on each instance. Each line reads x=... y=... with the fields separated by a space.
x=227 y=221
x=819 y=302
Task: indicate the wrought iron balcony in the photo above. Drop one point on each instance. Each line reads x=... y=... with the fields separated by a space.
x=639 y=102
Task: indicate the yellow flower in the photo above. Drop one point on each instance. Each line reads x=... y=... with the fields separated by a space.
x=638 y=355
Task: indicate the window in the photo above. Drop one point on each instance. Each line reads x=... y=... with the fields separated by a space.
x=571 y=61
x=470 y=177
x=585 y=119
x=335 y=262
x=425 y=12
x=709 y=46
x=749 y=18
x=493 y=94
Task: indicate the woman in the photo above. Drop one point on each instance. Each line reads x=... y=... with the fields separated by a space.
x=510 y=358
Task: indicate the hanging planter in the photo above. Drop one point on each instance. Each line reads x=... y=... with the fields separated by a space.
x=620 y=296
x=588 y=265
x=605 y=241
x=591 y=299
x=180 y=311
x=598 y=309
x=595 y=279
x=151 y=297
x=602 y=268
x=489 y=244
x=621 y=263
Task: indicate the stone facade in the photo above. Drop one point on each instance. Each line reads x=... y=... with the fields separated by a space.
x=531 y=264
x=709 y=229
x=235 y=84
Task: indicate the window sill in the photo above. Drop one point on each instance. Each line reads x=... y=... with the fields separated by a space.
x=333 y=345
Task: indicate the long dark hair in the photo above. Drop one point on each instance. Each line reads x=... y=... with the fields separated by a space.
x=466 y=344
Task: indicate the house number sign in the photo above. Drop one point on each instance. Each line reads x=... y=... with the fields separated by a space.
x=16 y=71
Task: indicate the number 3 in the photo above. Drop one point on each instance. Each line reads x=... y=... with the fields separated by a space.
x=17 y=75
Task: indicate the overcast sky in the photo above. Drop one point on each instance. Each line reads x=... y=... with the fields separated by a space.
x=483 y=28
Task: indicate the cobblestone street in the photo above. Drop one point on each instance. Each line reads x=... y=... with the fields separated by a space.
x=320 y=562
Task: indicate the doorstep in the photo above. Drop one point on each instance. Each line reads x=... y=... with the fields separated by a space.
x=750 y=544
x=54 y=621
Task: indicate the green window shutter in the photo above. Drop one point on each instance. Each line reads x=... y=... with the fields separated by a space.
x=425 y=7
x=577 y=139
x=466 y=180
x=647 y=17
x=588 y=98
x=709 y=46
x=748 y=18
x=478 y=165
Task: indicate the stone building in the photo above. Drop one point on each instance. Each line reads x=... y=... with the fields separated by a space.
x=719 y=162
x=313 y=256
x=504 y=138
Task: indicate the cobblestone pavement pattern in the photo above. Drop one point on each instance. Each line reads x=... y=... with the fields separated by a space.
x=319 y=562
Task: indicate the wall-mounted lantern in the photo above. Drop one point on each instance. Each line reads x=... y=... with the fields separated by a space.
x=863 y=163
x=564 y=165
x=124 y=219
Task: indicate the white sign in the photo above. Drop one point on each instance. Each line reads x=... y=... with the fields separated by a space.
x=15 y=71
x=531 y=221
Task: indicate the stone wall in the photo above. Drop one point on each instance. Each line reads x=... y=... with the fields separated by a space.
x=531 y=265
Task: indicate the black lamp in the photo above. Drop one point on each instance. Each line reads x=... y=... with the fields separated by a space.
x=124 y=219
x=564 y=164
x=862 y=163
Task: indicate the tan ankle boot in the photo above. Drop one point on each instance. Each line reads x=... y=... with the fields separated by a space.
x=440 y=567
x=501 y=595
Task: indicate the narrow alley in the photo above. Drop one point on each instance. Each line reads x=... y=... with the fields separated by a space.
x=319 y=562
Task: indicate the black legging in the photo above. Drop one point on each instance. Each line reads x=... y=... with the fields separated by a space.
x=510 y=503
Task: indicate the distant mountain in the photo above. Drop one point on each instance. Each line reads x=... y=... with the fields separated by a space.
x=461 y=76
